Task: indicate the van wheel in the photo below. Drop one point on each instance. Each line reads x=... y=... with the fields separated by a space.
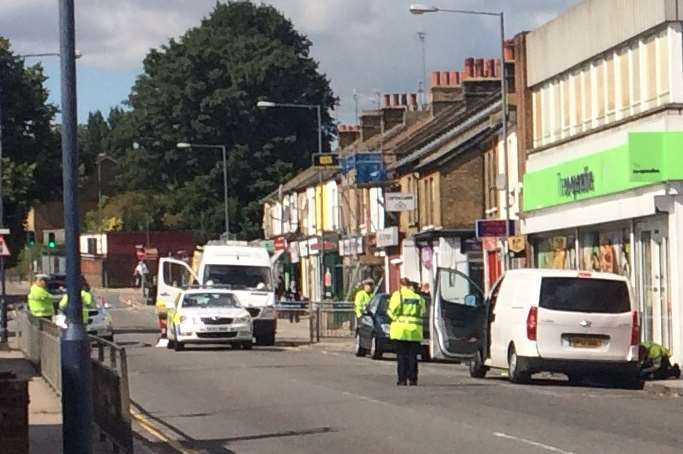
x=477 y=368
x=516 y=368
x=170 y=344
x=357 y=349
x=376 y=349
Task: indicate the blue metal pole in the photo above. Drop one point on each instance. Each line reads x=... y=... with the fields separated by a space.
x=75 y=348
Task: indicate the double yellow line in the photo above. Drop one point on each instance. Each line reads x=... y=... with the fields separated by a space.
x=149 y=427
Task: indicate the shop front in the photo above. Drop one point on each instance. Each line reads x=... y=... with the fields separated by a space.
x=617 y=211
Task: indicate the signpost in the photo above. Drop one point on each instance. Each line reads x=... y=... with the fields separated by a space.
x=326 y=160
x=399 y=201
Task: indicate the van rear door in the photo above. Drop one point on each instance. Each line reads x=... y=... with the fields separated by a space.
x=459 y=314
x=584 y=318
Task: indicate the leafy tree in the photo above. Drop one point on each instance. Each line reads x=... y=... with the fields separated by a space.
x=203 y=88
x=31 y=146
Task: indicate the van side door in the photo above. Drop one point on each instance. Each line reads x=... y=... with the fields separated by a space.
x=460 y=316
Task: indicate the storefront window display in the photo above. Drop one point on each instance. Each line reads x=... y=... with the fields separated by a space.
x=608 y=251
x=556 y=252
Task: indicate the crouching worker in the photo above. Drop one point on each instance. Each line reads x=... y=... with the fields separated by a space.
x=655 y=362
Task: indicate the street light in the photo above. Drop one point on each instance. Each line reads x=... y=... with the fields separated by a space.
x=3 y=307
x=318 y=109
x=186 y=145
x=419 y=9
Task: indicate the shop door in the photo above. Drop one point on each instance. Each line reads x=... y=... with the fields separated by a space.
x=653 y=282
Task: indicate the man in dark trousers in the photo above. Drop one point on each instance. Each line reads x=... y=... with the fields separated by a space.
x=406 y=311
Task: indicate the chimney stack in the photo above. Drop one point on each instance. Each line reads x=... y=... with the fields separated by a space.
x=347 y=135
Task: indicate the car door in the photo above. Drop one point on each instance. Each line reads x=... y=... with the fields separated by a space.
x=173 y=276
x=459 y=316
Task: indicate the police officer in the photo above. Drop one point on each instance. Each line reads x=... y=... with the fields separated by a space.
x=87 y=302
x=39 y=300
x=406 y=309
x=363 y=297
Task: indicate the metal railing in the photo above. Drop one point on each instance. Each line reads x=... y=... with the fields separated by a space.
x=315 y=321
x=39 y=340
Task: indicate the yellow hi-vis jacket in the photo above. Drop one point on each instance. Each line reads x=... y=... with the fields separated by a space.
x=406 y=310
x=86 y=300
x=40 y=302
x=361 y=302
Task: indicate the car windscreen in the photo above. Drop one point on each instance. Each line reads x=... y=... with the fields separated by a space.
x=239 y=277
x=573 y=294
x=226 y=300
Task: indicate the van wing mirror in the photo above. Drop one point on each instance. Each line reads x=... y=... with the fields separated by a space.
x=472 y=301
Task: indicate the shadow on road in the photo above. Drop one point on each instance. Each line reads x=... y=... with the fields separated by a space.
x=217 y=445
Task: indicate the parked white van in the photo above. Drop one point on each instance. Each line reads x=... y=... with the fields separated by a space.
x=573 y=322
x=243 y=269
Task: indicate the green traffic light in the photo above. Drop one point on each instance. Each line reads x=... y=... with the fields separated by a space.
x=51 y=242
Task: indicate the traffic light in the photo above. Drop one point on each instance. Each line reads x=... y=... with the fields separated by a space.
x=51 y=243
x=31 y=238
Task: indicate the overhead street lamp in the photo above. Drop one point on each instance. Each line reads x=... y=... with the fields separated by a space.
x=3 y=307
x=420 y=9
x=185 y=145
x=318 y=109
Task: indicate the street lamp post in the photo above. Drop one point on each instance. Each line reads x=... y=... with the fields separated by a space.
x=419 y=9
x=184 y=145
x=75 y=345
x=3 y=293
x=318 y=109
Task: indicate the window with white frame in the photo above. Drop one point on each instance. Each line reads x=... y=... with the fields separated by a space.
x=613 y=86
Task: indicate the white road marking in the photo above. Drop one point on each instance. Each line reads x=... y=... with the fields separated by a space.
x=531 y=443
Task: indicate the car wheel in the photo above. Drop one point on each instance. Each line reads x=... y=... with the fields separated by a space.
x=516 y=370
x=178 y=346
x=576 y=379
x=477 y=368
x=247 y=345
x=376 y=348
x=357 y=349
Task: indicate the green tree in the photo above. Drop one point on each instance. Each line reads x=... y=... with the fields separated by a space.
x=203 y=88
x=31 y=146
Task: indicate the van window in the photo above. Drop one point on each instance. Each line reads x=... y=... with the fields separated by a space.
x=572 y=294
x=239 y=277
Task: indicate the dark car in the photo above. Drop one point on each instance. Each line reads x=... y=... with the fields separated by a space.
x=372 y=333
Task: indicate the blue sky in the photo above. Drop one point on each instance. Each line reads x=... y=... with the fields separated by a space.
x=362 y=45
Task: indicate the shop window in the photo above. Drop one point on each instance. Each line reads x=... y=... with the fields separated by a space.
x=608 y=252
x=557 y=252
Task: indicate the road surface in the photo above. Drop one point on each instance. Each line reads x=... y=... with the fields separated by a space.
x=315 y=399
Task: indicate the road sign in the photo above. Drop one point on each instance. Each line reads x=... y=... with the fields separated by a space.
x=494 y=228
x=399 y=201
x=327 y=160
x=4 y=250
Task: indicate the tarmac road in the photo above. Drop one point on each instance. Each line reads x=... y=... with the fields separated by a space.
x=322 y=399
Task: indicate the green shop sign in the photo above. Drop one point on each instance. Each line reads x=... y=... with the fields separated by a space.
x=647 y=158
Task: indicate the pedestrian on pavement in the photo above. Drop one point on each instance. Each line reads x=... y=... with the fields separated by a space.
x=39 y=300
x=140 y=274
x=406 y=311
x=363 y=297
x=293 y=297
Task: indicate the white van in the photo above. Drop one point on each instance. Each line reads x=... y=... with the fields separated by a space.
x=573 y=322
x=243 y=269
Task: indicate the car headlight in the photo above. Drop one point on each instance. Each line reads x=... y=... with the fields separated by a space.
x=386 y=327
x=189 y=320
x=267 y=312
x=242 y=320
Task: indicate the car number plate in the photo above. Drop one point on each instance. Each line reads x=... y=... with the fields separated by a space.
x=217 y=329
x=585 y=342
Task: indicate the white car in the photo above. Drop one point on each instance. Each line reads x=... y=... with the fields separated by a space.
x=99 y=322
x=578 y=323
x=208 y=316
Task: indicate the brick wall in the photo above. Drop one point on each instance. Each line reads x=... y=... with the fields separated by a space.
x=462 y=191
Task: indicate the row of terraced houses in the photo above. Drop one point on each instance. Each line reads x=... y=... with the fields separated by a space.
x=594 y=176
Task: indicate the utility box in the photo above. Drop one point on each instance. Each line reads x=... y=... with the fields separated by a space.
x=13 y=414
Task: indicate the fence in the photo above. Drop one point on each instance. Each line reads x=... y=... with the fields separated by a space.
x=314 y=321
x=39 y=340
